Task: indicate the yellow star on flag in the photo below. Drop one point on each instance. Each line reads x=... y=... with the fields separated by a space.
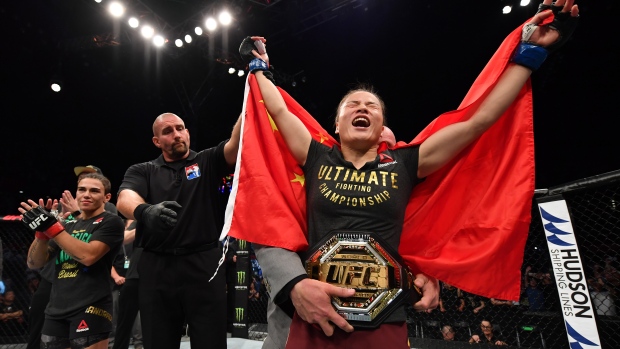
x=274 y=127
x=301 y=179
x=322 y=137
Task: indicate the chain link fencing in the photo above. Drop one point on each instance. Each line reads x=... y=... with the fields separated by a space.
x=535 y=321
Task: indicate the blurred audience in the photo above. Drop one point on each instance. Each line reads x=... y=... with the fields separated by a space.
x=486 y=335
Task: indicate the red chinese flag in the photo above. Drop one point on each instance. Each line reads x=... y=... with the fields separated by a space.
x=466 y=224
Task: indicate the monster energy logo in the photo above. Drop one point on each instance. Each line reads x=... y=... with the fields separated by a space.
x=239 y=314
x=242 y=244
x=241 y=277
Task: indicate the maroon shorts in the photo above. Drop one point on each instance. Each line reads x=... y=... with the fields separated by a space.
x=388 y=335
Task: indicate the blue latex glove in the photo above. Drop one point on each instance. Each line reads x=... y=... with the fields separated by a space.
x=2 y=287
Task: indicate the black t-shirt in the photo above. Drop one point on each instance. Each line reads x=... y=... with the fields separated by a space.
x=194 y=184
x=484 y=340
x=122 y=261
x=76 y=285
x=136 y=252
x=371 y=199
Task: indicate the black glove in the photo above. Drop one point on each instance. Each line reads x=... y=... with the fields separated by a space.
x=160 y=217
x=245 y=50
x=563 y=22
x=38 y=219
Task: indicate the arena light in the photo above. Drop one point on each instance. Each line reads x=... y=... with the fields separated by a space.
x=178 y=42
x=231 y=70
x=159 y=41
x=147 y=31
x=56 y=85
x=507 y=9
x=225 y=18
x=133 y=22
x=198 y=31
x=116 y=9
x=211 y=24
x=240 y=73
x=98 y=1
x=188 y=38
x=524 y=2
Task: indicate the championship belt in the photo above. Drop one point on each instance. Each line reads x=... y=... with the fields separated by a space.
x=366 y=263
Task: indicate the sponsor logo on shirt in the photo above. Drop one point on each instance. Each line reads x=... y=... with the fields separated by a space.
x=82 y=327
x=192 y=171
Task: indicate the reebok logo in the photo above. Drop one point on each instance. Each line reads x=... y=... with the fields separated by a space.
x=384 y=158
x=83 y=326
x=37 y=221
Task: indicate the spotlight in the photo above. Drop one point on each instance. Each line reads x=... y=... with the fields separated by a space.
x=507 y=9
x=240 y=73
x=147 y=31
x=98 y=1
x=294 y=83
x=133 y=22
x=158 y=41
x=188 y=38
x=225 y=17
x=198 y=31
x=231 y=70
x=116 y=9
x=178 y=42
x=524 y=2
x=56 y=84
x=211 y=24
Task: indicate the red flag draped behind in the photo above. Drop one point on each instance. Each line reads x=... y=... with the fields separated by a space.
x=466 y=224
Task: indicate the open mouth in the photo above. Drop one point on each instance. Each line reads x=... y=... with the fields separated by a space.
x=361 y=121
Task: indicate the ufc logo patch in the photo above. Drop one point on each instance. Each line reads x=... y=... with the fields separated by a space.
x=37 y=221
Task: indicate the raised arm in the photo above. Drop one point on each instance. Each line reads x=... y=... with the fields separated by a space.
x=443 y=145
x=293 y=131
x=232 y=146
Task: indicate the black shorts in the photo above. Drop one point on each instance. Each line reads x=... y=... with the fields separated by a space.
x=92 y=320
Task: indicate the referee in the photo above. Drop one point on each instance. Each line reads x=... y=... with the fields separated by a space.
x=180 y=214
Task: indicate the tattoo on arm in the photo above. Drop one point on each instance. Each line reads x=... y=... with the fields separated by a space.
x=34 y=249
x=35 y=244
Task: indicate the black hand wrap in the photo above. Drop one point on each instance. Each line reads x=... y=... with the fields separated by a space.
x=39 y=219
x=269 y=75
x=158 y=218
x=245 y=50
x=563 y=22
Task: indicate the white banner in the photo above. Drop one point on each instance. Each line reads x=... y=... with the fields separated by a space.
x=569 y=275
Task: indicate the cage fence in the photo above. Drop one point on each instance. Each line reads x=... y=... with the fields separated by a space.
x=534 y=321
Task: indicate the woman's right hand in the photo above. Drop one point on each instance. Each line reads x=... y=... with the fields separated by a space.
x=256 y=54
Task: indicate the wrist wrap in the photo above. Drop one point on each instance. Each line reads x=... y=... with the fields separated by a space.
x=137 y=212
x=529 y=55
x=40 y=235
x=258 y=64
x=54 y=230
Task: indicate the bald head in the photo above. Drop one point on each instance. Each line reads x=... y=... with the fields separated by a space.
x=387 y=136
x=171 y=136
x=161 y=119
